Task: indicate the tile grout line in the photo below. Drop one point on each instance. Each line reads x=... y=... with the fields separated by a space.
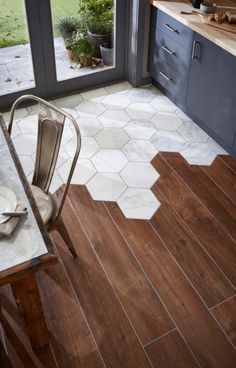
x=153 y=287
x=160 y=337
x=122 y=307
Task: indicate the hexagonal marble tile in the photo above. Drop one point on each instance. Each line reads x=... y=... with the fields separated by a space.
x=27 y=164
x=68 y=101
x=84 y=171
x=138 y=203
x=89 y=126
x=90 y=108
x=216 y=147
x=89 y=147
x=192 y=133
x=198 y=153
x=139 y=175
x=28 y=124
x=166 y=121
x=168 y=141
x=114 y=119
x=110 y=161
x=140 y=129
x=116 y=101
x=141 y=94
x=25 y=144
x=112 y=138
x=140 y=110
x=106 y=187
x=120 y=88
x=163 y=103
x=94 y=94
x=139 y=150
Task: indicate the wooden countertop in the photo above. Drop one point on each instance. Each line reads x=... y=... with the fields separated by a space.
x=224 y=39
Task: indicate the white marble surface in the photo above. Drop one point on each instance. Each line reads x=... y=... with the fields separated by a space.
x=139 y=175
x=139 y=150
x=106 y=187
x=26 y=242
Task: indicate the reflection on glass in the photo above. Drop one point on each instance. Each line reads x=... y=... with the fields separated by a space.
x=83 y=36
x=16 y=68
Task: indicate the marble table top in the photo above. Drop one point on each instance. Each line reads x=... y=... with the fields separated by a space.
x=27 y=241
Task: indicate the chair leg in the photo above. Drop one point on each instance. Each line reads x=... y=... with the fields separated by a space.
x=61 y=229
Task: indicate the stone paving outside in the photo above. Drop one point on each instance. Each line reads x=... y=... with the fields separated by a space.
x=16 y=68
x=123 y=129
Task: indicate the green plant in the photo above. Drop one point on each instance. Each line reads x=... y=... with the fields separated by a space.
x=67 y=25
x=97 y=15
x=82 y=49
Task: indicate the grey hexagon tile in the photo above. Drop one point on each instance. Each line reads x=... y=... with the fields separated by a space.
x=68 y=101
x=216 y=147
x=67 y=134
x=89 y=147
x=121 y=88
x=139 y=175
x=25 y=144
x=62 y=157
x=139 y=150
x=140 y=129
x=112 y=138
x=106 y=187
x=116 y=101
x=95 y=94
x=110 y=161
x=192 y=133
x=19 y=114
x=28 y=124
x=198 y=154
x=72 y=112
x=138 y=204
x=140 y=110
x=89 y=126
x=163 y=103
x=56 y=182
x=33 y=109
x=114 y=119
x=27 y=164
x=166 y=121
x=141 y=95
x=168 y=141
x=83 y=172
x=90 y=108
x=15 y=130
x=182 y=115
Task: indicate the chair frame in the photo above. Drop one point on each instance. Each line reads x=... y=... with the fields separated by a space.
x=56 y=223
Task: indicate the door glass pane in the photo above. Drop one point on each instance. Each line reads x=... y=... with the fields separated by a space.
x=16 y=68
x=84 y=40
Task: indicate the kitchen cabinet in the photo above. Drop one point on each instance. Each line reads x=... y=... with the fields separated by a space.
x=211 y=91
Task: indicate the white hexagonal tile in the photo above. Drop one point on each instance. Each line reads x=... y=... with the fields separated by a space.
x=112 y=138
x=198 y=154
x=139 y=129
x=110 y=161
x=83 y=172
x=89 y=147
x=15 y=130
x=163 y=103
x=28 y=124
x=89 y=126
x=140 y=110
x=56 y=182
x=139 y=150
x=106 y=187
x=116 y=101
x=25 y=144
x=114 y=119
x=68 y=101
x=216 y=147
x=167 y=141
x=141 y=95
x=166 y=121
x=138 y=204
x=182 y=115
x=90 y=108
x=95 y=94
x=120 y=88
x=27 y=164
x=139 y=175
x=192 y=133
x=19 y=114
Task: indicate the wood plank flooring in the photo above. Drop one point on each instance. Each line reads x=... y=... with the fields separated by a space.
x=158 y=293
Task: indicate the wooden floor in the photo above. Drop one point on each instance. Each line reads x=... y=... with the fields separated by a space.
x=156 y=293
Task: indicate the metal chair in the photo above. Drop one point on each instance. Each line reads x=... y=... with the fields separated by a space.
x=51 y=122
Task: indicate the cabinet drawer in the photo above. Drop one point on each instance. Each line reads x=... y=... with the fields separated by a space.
x=170 y=79
x=174 y=29
x=174 y=54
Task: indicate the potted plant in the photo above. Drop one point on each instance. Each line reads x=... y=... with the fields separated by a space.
x=97 y=16
x=69 y=42
x=107 y=53
x=67 y=26
x=83 y=50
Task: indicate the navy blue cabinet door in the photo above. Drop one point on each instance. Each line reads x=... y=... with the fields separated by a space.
x=211 y=95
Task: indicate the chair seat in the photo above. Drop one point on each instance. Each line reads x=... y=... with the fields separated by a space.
x=44 y=202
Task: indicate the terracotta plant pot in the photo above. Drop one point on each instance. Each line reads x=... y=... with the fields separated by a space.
x=70 y=54
x=98 y=40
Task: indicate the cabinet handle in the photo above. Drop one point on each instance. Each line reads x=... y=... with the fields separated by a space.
x=167 y=50
x=194 y=51
x=170 y=28
x=165 y=76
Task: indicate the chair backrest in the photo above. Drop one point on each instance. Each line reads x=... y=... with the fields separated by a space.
x=51 y=122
